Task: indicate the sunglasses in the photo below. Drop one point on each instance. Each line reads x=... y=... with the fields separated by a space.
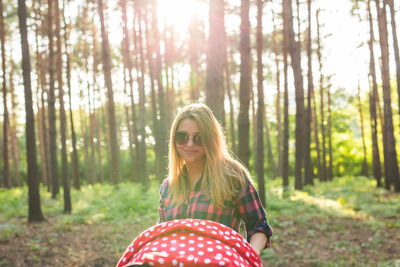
x=182 y=138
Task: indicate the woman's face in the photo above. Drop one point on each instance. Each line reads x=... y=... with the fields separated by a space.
x=189 y=147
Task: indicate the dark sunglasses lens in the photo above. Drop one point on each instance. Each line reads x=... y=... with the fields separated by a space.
x=181 y=138
x=197 y=140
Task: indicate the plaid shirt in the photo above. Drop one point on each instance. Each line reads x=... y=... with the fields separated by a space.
x=247 y=207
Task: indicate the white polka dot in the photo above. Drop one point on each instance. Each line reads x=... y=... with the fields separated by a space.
x=207 y=261
x=201 y=229
x=173 y=241
x=218 y=256
x=247 y=254
x=209 y=242
x=165 y=238
x=221 y=263
x=227 y=247
x=155 y=243
x=163 y=245
x=196 y=224
x=174 y=234
x=163 y=224
x=219 y=247
x=191 y=257
x=181 y=264
x=202 y=223
x=200 y=245
x=170 y=224
x=174 y=262
x=191 y=249
x=172 y=248
x=124 y=259
x=213 y=232
x=215 y=227
x=210 y=250
x=140 y=243
x=200 y=238
x=161 y=260
x=164 y=254
x=153 y=249
x=238 y=245
x=236 y=262
x=208 y=227
x=191 y=234
x=227 y=233
x=191 y=241
x=182 y=245
x=151 y=263
x=182 y=222
x=182 y=238
x=201 y=253
x=146 y=234
x=219 y=242
x=188 y=225
x=132 y=249
x=181 y=252
x=229 y=253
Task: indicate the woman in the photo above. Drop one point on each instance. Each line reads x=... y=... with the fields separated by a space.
x=205 y=182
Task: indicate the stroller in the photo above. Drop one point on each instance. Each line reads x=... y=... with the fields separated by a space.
x=189 y=242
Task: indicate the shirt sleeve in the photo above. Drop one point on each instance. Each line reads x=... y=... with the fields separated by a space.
x=252 y=212
x=163 y=192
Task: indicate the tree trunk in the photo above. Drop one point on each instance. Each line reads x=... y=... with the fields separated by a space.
x=285 y=144
x=294 y=49
x=34 y=209
x=308 y=168
x=330 y=168
x=215 y=60
x=376 y=160
x=63 y=120
x=112 y=126
x=245 y=82
x=143 y=177
x=51 y=104
x=231 y=108
x=365 y=164
x=390 y=156
x=322 y=176
x=6 y=169
x=278 y=100
x=13 y=129
x=260 y=107
x=390 y=3
x=74 y=157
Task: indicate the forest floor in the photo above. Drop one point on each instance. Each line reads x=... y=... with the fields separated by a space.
x=342 y=223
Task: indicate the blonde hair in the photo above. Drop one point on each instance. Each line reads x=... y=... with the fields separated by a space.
x=223 y=176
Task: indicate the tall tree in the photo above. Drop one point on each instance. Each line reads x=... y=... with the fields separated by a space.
x=229 y=89
x=376 y=160
x=360 y=110
x=215 y=60
x=6 y=169
x=34 y=209
x=52 y=103
x=112 y=125
x=390 y=155
x=322 y=174
x=245 y=83
x=308 y=168
x=294 y=49
x=390 y=3
x=285 y=143
x=63 y=120
x=74 y=156
x=13 y=128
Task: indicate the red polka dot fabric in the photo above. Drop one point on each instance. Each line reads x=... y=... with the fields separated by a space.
x=190 y=242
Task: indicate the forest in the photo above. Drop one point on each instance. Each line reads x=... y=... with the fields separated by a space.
x=307 y=92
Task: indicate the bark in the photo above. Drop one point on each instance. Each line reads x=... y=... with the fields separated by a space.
x=322 y=176
x=390 y=155
x=330 y=168
x=376 y=160
x=294 y=49
x=278 y=100
x=230 y=98
x=112 y=126
x=245 y=83
x=6 y=169
x=13 y=129
x=74 y=155
x=215 y=60
x=285 y=144
x=308 y=168
x=390 y=3
x=143 y=176
x=51 y=105
x=63 y=120
x=260 y=107
x=365 y=164
x=34 y=209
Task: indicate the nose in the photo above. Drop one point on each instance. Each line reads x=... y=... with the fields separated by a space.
x=190 y=141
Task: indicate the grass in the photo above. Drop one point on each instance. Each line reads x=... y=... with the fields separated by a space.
x=349 y=218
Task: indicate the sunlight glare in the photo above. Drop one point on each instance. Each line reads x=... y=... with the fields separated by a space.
x=179 y=13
